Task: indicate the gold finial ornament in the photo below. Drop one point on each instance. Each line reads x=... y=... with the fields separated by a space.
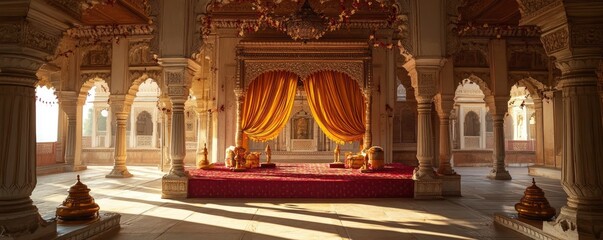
x=239 y=158
x=268 y=164
x=336 y=154
x=533 y=205
x=79 y=205
x=204 y=163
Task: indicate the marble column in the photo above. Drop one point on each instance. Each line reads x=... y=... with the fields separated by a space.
x=582 y=168
x=178 y=141
x=166 y=110
x=119 y=167
x=425 y=147
x=368 y=102
x=68 y=103
x=538 y=108
x=444 y=105
x=498 y=171
x=240 y=97
x=19 y=218
x=202 y=161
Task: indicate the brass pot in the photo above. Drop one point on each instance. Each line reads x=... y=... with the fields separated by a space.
x=376 y=158
x=79 y=205
x=533 y=205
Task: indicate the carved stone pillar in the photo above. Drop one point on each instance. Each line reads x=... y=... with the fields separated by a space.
x=581 y=178
x=202 y=161
x=121 y=117
x=498 y=156
x=444 y=105
x=423 y=74
x=368 y=102
x=165 y=106
x=178 y=142
x=240 y=97
x=69 y=105
x=539 y=131
x=498 y=109
x=19 y=218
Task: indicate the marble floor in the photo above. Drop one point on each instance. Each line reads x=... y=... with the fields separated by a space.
x=146 y=216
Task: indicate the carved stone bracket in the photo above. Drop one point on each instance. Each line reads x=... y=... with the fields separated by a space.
x=556 y=41
x=304 y=69
x=110 y=30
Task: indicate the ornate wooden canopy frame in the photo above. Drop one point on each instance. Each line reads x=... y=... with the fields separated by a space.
x=255 y=58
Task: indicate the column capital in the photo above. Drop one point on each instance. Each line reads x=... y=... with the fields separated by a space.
x=499 y=105
x=444 y=103
x=424 y=75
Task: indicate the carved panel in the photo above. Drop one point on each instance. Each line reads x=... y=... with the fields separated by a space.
x=10 y=32
x=587 y=36
x=556 y=41
x=480 y=78
x=36 y=39
x=177 y=91
x=175 y=78
x=140 y=54
x=304 y=69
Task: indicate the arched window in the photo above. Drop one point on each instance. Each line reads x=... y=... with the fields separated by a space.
x=400 y=93
x=489 y=127
x=472 y=124
x=144 y=124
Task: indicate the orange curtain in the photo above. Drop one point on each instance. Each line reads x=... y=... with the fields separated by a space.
x=268 y=104
x=337 y=105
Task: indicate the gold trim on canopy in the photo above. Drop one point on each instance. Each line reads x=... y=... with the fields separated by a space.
x=337 y=105
x=268 y=104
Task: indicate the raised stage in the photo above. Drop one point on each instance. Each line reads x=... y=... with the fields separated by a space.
x=302 y=180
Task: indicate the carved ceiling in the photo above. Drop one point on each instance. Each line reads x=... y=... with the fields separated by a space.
x=500 y=12
x=121 y=12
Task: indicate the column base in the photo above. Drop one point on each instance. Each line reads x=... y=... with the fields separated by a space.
x=75 y=168
x=428 y=189
x=451 y=185
x=174 y=187
x=572 y=224
x=28 y=227
x=119 y=173
x=499 y=175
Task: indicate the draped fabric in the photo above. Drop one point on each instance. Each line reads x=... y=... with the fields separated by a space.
x=337 y=105
x=268 y=104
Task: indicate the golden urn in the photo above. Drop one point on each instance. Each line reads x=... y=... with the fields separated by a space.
x=79 y=205
x=533 y=204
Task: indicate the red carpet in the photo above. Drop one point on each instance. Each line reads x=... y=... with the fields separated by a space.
x=305 y=180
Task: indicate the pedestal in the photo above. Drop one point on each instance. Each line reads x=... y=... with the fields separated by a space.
x=174 y=187
x=451 y=185
x=267 y=165
x=337 y=165
x=428 y=189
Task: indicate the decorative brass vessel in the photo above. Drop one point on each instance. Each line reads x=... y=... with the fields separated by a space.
x=79 y=205
x=533 y=205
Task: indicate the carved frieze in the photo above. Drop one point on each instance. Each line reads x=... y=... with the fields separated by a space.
x=304 y=69
x=28 y=35
x=556 y=41
x=472 y=54
x=99 y=31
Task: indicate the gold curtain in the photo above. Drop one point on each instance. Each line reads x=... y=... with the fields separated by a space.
x=268 y=104
x=337 y=105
